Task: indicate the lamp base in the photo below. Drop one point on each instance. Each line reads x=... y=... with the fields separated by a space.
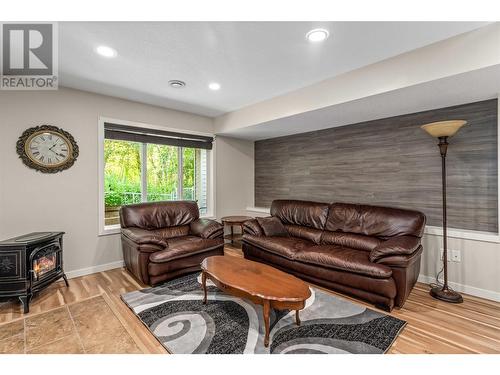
x=447 y=295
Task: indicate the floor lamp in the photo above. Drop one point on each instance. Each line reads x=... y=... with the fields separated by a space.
x=444 y=130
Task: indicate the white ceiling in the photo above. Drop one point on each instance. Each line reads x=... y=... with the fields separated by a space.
x=473 y=86
x=253 y=61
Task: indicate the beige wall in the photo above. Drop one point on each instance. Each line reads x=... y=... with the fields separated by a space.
x=68 y=201
x=234 y=176
x=478 y=272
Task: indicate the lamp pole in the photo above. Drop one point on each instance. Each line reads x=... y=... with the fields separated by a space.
x=444 y=293
x=443 y=147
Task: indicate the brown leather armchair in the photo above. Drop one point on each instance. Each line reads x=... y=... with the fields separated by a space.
x=366 y=251
x=162 y=240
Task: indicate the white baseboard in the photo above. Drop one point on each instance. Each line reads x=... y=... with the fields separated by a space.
x=94 y=269
x=467 y=289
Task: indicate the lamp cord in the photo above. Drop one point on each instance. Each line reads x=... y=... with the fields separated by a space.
x=439 y=284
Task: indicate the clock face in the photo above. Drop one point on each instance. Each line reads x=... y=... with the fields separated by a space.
x=48 y=148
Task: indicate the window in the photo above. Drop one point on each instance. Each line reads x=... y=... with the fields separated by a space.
x=122 y=177
x=142 y=165
x=162 y=173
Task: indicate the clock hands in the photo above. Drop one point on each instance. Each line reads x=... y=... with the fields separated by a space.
x=58 y=154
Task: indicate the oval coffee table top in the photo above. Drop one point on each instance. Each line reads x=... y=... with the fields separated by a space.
x=256 y=279
x=235 y=219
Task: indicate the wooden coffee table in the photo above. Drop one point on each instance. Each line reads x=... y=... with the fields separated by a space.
x=257 y=282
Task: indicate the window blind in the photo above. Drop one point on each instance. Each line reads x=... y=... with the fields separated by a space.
x=155 y=136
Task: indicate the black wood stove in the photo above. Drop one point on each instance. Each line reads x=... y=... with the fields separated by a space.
x=30 y=263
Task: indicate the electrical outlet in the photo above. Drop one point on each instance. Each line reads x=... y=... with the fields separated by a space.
x=453 y=255
x=456 y=256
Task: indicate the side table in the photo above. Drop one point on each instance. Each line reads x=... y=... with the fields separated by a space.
x=234 y=221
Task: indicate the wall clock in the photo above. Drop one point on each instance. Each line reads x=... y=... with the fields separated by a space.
x=47 y=148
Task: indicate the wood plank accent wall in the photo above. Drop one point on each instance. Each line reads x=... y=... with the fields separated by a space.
x=390 y=162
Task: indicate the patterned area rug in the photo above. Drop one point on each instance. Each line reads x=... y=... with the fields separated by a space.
x=174 y=313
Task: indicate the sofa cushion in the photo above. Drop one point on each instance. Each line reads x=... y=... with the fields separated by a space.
x=172 y=232
x=309 y=214
x=156 y=215
x=252 y=227
x=283 y=246
x=181 y=247
x=306 y=233
x=343 y=258
x=383 y=222
x=272 y=226
x=352 y=240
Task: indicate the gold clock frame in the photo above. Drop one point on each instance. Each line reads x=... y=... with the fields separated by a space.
x=24 y=141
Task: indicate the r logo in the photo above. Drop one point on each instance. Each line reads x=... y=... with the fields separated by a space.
x=27 y=49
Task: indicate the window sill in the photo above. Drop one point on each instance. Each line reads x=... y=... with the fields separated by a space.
x=110 y=230
x=207 y=216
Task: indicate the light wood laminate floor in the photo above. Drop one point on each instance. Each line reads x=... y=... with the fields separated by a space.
x=433 y=326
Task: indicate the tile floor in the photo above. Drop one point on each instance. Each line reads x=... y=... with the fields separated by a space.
x=88 y=326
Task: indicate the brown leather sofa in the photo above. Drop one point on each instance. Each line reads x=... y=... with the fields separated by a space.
x=366 y=251
x=162 y=240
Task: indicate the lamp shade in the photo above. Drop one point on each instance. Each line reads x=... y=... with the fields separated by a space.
x=443 y=128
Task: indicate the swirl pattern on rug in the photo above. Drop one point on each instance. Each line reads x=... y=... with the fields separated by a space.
x=176 y=316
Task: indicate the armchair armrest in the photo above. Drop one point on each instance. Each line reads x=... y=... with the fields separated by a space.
x=401 y=245
x=143 y=236
x=206 y=228
x=253 y=228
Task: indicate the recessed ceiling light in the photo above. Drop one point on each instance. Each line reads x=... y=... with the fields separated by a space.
x=106 y=51
x=317 y=35
x=214 y=86
x=176 y=84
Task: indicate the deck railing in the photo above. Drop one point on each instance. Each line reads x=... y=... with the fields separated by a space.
x=112 y=217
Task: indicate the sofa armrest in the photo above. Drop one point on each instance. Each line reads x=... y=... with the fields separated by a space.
x=253 y=228
x=143 y=236
x=401 y=245
x=402 y=260
x=206 y=228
